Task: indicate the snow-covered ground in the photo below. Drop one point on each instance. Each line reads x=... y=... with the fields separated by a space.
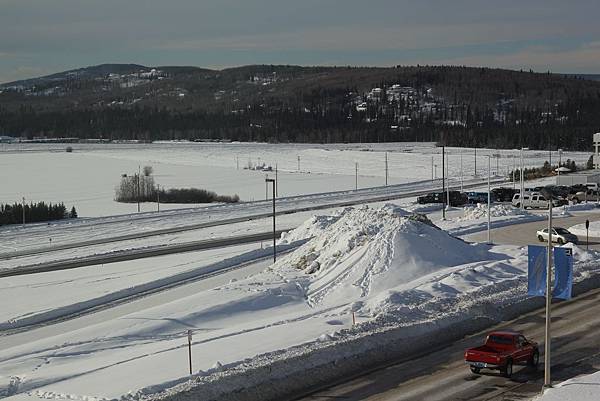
x=396 y=272
x=594 y=229
x=580 y=388
x=86 y=178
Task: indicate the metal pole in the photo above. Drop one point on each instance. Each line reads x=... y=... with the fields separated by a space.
x=276 y=186
x=559 y=162
x=298 y=163
x=522 y=193
x=189 y=333
x=274 y=238
x=23 y=211
x=475 y=162
x=158 y=197
x=547 y=379
x=138 y=188
x=489 y=211
x=461 y=172
x=386 y=169
x=448 y=186
x=443 y=183
x=355 y=175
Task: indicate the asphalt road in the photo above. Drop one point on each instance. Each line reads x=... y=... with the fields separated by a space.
x=442 y=374
x=133 y=254
x=525 y=234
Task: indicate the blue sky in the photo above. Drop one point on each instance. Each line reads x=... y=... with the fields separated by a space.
x=38 y=37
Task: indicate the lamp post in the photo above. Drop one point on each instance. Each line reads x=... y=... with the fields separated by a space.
x=559 y=163
x=272 y=181
x=547 y=379
x=489 y=235
x=444 y=183
x=522 y=193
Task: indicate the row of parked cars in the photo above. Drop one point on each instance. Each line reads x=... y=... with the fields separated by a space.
x=532 y=197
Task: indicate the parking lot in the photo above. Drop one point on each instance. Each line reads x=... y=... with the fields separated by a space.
x=525 y=234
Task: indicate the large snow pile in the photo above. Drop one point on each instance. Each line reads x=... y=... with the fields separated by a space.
x=582 y=388
x=480 y=211
x=365 y=251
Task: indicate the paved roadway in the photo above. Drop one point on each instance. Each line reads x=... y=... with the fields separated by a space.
x=132 y=254
x=525 y=234
x=442 y=375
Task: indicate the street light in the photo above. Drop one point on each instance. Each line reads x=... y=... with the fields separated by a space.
x=272 y=181
x=547 y=381
x=489 y=200
x=559 y=163
x=522 y=194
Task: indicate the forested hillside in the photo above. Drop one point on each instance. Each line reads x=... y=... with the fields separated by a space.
x=452 y=105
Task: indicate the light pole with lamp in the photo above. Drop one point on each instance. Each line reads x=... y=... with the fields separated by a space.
x=547 y=380
x=559 y=162
x=489 y=201
x=273 y=181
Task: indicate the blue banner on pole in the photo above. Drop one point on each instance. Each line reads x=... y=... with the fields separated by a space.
x=563 y=273
x=536 y=270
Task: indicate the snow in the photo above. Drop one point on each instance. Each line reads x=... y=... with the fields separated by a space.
x=580 y=230
x=86 y=178
x=581 y=388
x=408 y=283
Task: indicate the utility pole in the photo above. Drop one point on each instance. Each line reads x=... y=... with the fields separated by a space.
x=355 y=175
x=138 y=188
x=386 y=169
x=158 y=197
x=298 y=163
x=272 y=181
x=461 y=172
x=276 y=182
x=547 y=348
x=489 y=211
x=444 y=184
x=23 y=211
x=267 y=186
x=475 y=162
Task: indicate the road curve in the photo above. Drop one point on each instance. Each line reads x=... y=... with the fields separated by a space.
x=525 y=233
x=442 y=374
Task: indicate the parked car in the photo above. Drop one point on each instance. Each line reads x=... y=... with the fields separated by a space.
x=503 y=194
x=559 y=234
x=534 y=200
x=456 y=198
x=502 y=350
x=584 y=196
x=477 y=197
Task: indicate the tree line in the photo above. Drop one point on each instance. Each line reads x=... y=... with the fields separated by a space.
x=34 y=212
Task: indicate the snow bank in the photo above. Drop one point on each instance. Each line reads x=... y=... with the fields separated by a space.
x=579 y=229
x=479 y=211
x=582 y=388
x=136 y=290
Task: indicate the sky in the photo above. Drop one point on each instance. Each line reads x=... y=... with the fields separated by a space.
x=39 y=37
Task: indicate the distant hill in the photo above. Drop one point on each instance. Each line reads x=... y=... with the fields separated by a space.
x=453 y=105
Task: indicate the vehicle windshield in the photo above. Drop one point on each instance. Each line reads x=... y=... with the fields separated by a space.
x=562 y=231
x=500 y=339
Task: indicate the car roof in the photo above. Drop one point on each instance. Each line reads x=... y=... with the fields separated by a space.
x=505 y=333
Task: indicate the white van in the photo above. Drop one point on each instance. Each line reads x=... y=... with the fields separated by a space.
x=532 y=200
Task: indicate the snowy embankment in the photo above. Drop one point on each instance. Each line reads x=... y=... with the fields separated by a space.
x=581 y=388
x=54 y=312
x=410 y=284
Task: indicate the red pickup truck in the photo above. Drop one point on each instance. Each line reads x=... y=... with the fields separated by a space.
x=502 y=350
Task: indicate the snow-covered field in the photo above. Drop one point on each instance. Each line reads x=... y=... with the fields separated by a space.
x=399 y=275
x=87 y=177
